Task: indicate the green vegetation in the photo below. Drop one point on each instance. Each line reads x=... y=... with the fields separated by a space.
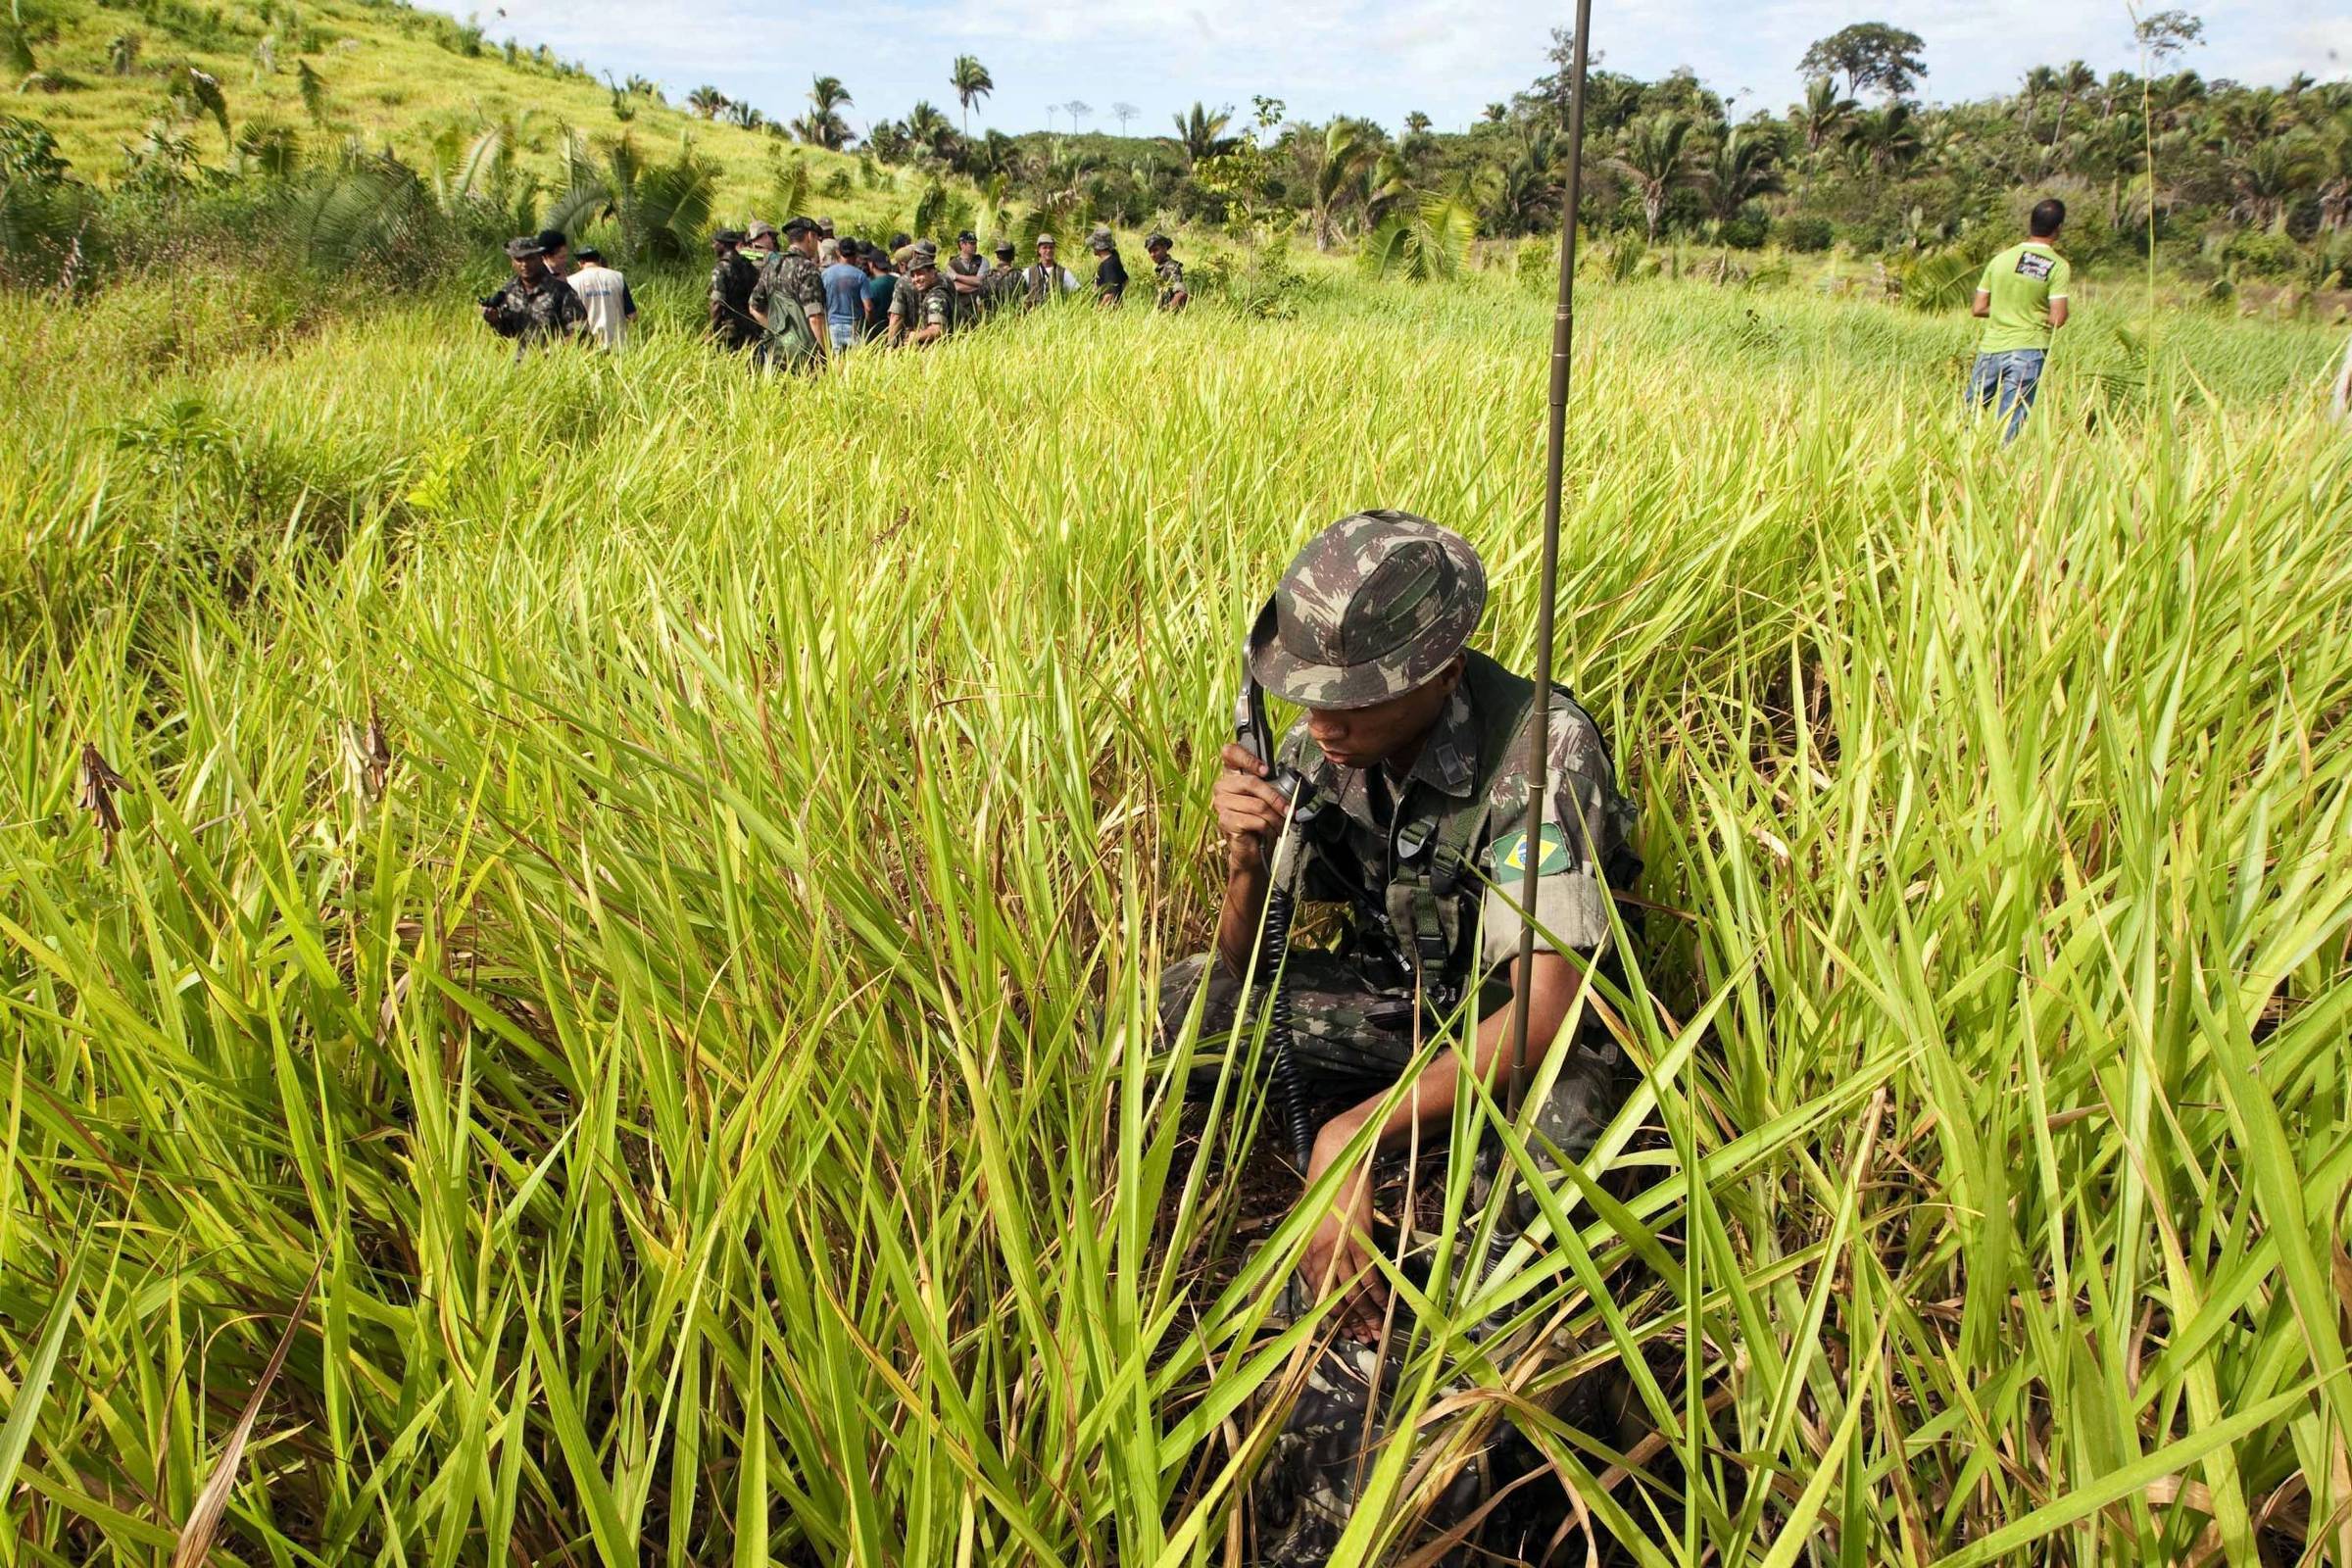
x=650 y=883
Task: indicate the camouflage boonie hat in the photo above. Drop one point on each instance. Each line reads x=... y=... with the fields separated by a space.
x=1156 y=242
x=1373 y=606
x=522 y=247
x=923 y=253
x=763 y=230
x=1099 y=240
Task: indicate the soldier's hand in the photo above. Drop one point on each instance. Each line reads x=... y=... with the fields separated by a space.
x=1338 y=1259
x=1250 y=810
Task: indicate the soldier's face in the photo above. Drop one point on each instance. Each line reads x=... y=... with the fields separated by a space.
x=528 y=267
x=1359 y=737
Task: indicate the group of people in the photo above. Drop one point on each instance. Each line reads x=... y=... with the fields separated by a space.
x=801 y=295
x=798 y=296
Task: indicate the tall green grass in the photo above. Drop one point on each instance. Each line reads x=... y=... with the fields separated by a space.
x=710 y=1073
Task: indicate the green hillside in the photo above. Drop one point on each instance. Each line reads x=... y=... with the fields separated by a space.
x=101 y=76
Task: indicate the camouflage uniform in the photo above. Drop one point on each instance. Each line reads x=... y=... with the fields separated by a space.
x=1427 y=869
x=533 y=313
x=788 y=286
x=918 y=307
x=731 y=283
x=1171 y=278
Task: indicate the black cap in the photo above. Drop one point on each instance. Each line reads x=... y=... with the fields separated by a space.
x=522 y=247
x=968 y=237
x=551 y=239
x=589 y=253
x=794 y=227
x=727 y=236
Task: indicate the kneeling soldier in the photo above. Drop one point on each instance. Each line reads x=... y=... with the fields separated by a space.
x=1413 y=760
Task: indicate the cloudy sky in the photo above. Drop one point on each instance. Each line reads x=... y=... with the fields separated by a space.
x=1377 y=58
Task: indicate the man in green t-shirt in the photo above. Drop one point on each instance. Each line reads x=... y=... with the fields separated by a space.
x=2022 y=298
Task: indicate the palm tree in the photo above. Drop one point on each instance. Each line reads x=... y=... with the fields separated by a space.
x=928 y=127
x=1123 y=112
x=1885 y=138
x=823 y=125
x=744 y=115
x=1427 y=242
x=1347 y=149
x=1494 y=113
x=661 y=209
x=2265 y=176
x=2333 y=171
x=706 y=101
x=1417 y=123
x=1739 y=170
x=971 y=81
x=2038 y=81
x=1652 y=156
x=1824 y=113
x=1202 y=135
x=2073 y=79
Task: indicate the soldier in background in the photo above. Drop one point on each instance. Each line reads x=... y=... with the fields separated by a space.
x=1110 y=274
x=760 y=244
x=1047 y=281
x=789 y=300
x=731 y=280
x=1003 y=283
x=1173 y=296
x=923 y=309
x=535 y=306
x=967 y=273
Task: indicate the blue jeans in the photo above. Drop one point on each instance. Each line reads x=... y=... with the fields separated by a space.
x=842 y=335
x=2012 y=376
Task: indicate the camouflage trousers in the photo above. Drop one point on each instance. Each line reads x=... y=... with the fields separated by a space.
x=1351 y=1038
x=1346 y=1036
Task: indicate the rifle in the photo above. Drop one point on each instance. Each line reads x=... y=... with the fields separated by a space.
x=1252 y=732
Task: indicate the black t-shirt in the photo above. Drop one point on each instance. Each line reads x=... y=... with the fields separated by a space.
x=1110 y=277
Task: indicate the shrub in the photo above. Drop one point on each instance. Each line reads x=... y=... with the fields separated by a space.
x=2266 y=253
x=1746 y=232
x=1807 y=235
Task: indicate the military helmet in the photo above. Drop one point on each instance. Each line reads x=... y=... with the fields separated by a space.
x=1374 y=605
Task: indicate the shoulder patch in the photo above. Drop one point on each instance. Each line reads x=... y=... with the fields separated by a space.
x=1509 y=854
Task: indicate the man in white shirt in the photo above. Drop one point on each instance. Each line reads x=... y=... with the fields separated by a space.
x=1048 y=279
x=606 y=294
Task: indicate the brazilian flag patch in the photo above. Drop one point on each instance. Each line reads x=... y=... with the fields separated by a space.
x=1509 y=853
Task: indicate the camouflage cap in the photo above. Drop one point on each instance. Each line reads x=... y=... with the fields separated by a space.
x=1374 y=606
x=522 y=247
x=1156 y=242
x=1099 y=240
x=762 y=230
x=924 y=253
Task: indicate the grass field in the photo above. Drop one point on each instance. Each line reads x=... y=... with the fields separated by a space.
x=702 y=1054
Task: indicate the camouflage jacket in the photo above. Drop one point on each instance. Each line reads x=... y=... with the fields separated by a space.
x=1171 y=278
x=789 y=279
x=731 y=283
x=917 y=308
x=1430 y=865
x=533 y=312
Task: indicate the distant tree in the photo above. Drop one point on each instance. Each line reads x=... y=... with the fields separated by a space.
x=823 y=125
x=1077 y=109
x=928 y=128
x=744 y=115
x=1123 y=112
x=1654 y=159
x=2167 y=34
x=1885 y=138
x=1202 y=135
x=1869 y=55
x=1494 y=113
x=2266 y=176
x=2073 y=79
x=706 y=101
x=971 y=81
x=1824 y=113
x=1348 y=149
x=1417 y=123
x=1740 y=169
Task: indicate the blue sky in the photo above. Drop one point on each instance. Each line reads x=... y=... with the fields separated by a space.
x=1377 y=58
